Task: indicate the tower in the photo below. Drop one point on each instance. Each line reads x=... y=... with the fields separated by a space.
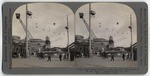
x=47 y=43
x=111 y=42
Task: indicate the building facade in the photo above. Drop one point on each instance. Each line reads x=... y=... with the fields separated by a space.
x=97 y=44
x=36 y=45
x=101 y=44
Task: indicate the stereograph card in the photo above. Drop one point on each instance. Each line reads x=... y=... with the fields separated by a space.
x=75 y=38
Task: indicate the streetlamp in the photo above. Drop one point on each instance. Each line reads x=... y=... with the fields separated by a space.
x=81 y=15
x=18 y=15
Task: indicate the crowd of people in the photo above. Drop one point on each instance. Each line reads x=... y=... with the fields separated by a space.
x=49 y=56
x=124 y=57
x=112 y=56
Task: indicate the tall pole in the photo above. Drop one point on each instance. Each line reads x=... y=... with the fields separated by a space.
x=90 y=51
x=26 y=31
x=131 y=37
x=68 y=39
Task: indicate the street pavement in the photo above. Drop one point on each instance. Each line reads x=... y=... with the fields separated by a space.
x=93 y=61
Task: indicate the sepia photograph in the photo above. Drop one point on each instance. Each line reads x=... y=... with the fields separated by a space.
x=52 y=35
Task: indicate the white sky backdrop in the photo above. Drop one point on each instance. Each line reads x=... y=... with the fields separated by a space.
x=105 y=21
x=41 y=24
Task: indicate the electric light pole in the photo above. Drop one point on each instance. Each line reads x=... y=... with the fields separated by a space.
x=130 y=27
x=25 y=27
x=27 y=51
x=67 y=28
x=91 y=34
x=90 y=50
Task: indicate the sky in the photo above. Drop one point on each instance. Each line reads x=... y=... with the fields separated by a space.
x=50 y=19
